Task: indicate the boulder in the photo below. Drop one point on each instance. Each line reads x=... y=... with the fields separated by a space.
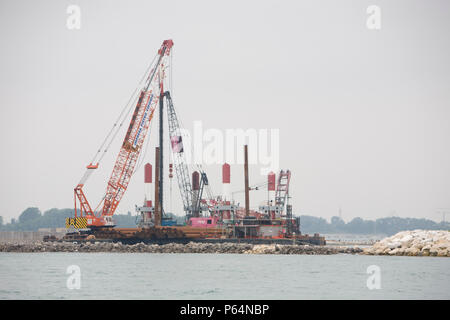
x=414 y=243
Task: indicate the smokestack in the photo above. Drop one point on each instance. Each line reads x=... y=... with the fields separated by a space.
x=247 y=196
x=157 y=206
x=148 y=184
x=195 y=189
x=226 y=181
x=270 y=187
x=195 y=181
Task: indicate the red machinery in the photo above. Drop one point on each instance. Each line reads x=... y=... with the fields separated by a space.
x=131 y=147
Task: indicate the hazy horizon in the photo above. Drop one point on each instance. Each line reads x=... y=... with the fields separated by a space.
x=363 y=115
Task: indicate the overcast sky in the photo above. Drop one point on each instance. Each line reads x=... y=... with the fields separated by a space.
x=363 y=115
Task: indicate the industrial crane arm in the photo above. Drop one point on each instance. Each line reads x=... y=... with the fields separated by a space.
x=179 y=157
x=131 y=146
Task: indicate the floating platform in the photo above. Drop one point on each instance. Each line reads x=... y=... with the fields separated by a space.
x=182 y=234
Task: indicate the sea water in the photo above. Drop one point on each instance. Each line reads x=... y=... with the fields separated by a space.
x=221 y=276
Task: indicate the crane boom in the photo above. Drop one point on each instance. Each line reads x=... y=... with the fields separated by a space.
x=131 y=146
x=282 y=192
x=129 y=152
x=179 y=157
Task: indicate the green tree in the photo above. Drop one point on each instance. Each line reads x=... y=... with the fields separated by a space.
x=29 y=214
x=337 y=224
x=311 y=224
x=356 y=225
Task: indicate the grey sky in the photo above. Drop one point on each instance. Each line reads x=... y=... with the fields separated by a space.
x=363 y=115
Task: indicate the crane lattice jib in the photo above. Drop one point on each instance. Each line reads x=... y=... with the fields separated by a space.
x=282 y=191
x=179 y=157
x=135 y=136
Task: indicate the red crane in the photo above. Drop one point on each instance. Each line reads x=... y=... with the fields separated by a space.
x=131 y=147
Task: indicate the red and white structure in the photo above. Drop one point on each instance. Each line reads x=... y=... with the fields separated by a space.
x=271 y=187
x=147 y=209
x=195 y=192
x=272 y=209
x=226 y=175
x=148 y=183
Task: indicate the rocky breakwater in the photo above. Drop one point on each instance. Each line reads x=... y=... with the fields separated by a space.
x=300 y=249
x=413 y=243
x=192 y=247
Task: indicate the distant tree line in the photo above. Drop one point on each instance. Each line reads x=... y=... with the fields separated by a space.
x=31 y=219
x=388 y=226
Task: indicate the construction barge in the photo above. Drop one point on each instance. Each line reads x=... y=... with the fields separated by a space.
x=208 y=218
x=182 y=234
x=212 y=221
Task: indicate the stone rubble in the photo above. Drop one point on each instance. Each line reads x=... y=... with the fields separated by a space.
x=191 y=247
x=413 y=243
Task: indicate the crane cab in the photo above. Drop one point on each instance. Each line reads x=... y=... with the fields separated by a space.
x=104 y=221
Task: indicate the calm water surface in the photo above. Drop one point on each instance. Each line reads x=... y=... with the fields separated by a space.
x=221 y=276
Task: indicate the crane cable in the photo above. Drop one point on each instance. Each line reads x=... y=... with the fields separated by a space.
x=142 y=157
x=116 y=127
x=253 y=187
x=171 y=73
x=128 y=106
x=194 y=166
